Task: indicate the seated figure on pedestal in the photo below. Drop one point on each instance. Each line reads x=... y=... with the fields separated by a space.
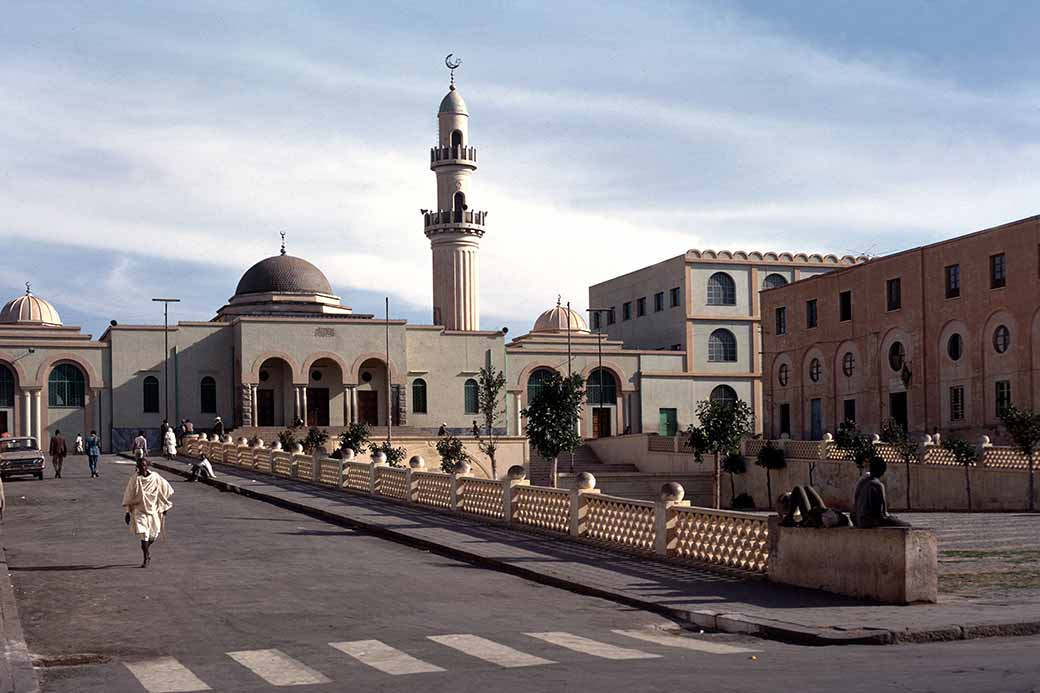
x=803 y=507
x=871 y=504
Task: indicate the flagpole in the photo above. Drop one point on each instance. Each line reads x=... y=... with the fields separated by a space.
x=568 y=339
x=389 y=399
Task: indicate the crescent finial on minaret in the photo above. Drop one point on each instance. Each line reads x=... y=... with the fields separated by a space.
x=452 y=65
x=282 y=234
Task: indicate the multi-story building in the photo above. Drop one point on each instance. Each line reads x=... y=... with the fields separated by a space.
x=938 y=337
x=704 y=304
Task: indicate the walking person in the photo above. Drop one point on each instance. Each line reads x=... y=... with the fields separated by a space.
x=79 y=444
x=146 y=501
x=93 y=449
x=140 y=446
x=170 y=444
x=59 y=448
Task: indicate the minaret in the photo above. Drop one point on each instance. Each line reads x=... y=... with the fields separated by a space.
x=454 y=228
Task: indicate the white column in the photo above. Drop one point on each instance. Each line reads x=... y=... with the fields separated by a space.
x=27 y=421
x=519 y=418
x=252 y=405
x=303 y=395
x=353 y=404
x=346 y=405
x=296 y=410
x=38 y=396
x=620 y=414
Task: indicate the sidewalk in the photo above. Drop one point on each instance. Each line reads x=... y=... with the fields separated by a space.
x=696 y=598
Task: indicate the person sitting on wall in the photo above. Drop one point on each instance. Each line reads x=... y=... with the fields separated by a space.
x=871 y=505
x=810 y=508
x=201 y=468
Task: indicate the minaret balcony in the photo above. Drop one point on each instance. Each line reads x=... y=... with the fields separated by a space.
x=454 y=221
x=454 y=154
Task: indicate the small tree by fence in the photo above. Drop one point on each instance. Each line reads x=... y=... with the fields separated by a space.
x=893 y=433
x=1023 y=425
x=288 y=439
x=355 y=437
x=552 y=417
x=770 y=457
x=857 y=445
x=733 y=464
x=394 y=456
x=490 y=384
x=965 y=454
x=452 y=451
x=315 y=439
x=723 y=425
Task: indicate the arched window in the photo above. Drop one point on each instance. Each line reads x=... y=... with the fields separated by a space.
x=602 y=387
x=774 y=281
x=150 y=395
x=6 y=386
x=722 y=346
x=724 y=394
x=459 y=201
x=418 y=396
x=1001 y=339
x=456 y=138
x=955 y=347
x=534 y=383
x=896 y=356
x=66 y=387
x=208 y=395
x=848 y=364
x=815 y=370
x=721 y=290
x=472 y=397
x=784 y=376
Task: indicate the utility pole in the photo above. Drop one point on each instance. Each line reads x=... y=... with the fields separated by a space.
x=597 y=321
x=166 y=352
x=389 y=401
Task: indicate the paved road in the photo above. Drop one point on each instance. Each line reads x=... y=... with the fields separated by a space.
x=243 y=596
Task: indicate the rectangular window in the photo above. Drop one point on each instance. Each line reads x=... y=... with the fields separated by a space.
x=781 y=320
x=626 y=310
x=667 y=422
x=957 y=403
x=894 y=294
x=673 y=295
x=640 y=307
x=595 y=320
x=785 y=419
x=997 y=271
x=845 y=306
x=610 y=317
x=953 y=281
x=1003 y=396
x=658 y=301
x=849 y=410
x=810 y=313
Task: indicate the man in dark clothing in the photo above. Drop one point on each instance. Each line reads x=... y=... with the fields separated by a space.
x=58 y=451
x=218 y=427
x=870 y=508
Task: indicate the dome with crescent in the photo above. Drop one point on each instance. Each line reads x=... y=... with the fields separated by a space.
x=557 y=320
x=29 y=309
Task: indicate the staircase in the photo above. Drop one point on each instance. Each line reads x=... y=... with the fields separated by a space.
x=585 y=460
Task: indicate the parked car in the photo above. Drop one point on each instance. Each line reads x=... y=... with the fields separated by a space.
x=21 y=456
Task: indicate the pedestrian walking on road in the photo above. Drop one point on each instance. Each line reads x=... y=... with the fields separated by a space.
x=79 y=443
x=170 y=444
x=93 y=448
x=59 y=448
x=146 y=501
x=140 y=446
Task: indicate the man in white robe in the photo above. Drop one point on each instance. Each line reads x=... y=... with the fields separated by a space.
x=146 y=501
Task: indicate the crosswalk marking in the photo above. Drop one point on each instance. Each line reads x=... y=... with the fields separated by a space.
x=592 y=647
x=165 y=675
x=685 y=643
x=278 y=668
x=384 y=658
x=490 y=651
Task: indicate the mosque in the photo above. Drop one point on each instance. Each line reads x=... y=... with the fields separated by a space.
x=284 y=347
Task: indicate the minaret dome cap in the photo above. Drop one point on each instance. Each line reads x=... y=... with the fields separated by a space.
x=453 y=103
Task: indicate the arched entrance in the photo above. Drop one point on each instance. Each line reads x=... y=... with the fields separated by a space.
x=66 y=401
x=326 y=400
x=274 y=393
x=601 y=392
x=371 y=392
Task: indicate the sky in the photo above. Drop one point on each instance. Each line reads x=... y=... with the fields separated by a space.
x=157 y=149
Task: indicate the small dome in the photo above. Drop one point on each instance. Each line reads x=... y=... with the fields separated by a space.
x=556 y=319
x=453 y=103
x=283 y=274
x=29 y=309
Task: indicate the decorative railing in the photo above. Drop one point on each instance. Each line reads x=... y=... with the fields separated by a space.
x=357 y=476
x=392 y=482
x=622 y=521
x=545 y=508
x=432 y=488
x=303 y=467
x=453 y=153
x=481 y=497
x=808 y=449
x=454 y=216
x=1004 y=458
x=281 y=464
x=660 y=444
x=328 y=471
x=720 y=537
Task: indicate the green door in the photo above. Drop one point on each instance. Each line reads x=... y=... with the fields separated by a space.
x=668 y=422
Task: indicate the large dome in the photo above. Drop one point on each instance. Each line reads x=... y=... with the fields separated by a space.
x=29 y=309
x=283 y=274
x=557 y=318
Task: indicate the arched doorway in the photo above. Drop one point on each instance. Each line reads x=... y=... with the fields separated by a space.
x=371 y=392
x=456 y=138
x=7 y=399
x=326 y=400
x=274 y=393
x=66 y=401
x=601 y=393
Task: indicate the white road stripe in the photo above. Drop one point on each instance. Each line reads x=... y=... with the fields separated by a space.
x=490 y=651
x=278 y=668
x=686 y=643
x=591 y=647
x=165 y=675
x=384 y=658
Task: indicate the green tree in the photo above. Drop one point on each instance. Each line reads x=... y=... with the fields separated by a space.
x=965 y=454
x=491 y=406
x=770 y=457
x=452 y=450
x=315 y=439
x=723 y=425
x=552 y=417
x=394 y=456
x=733 y=464
x=288 y=439
x=893 y=433
x=354 y=437
x=857 y=445
x=1023 y=425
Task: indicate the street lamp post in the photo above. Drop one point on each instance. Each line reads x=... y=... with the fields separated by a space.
x=599 y=348
x=166 y=352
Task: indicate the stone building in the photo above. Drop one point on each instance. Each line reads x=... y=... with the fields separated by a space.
x=937 y=337
x=703 y=305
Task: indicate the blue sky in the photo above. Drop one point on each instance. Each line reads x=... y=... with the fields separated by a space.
x=158 y=148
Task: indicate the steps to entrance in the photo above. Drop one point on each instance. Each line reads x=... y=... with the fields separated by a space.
x=585 y=460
